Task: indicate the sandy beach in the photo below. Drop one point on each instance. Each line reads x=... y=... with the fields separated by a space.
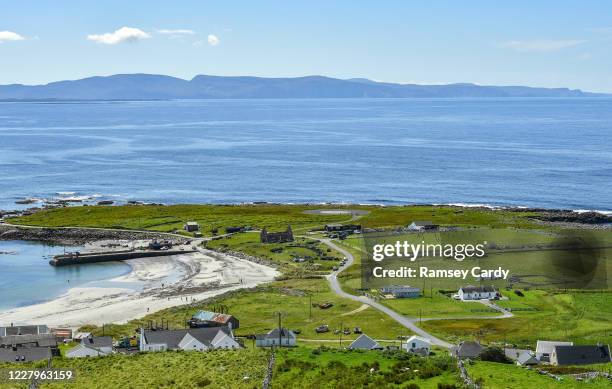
x=153 y=284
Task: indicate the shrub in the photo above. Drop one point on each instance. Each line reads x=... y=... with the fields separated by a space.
x=494 y=354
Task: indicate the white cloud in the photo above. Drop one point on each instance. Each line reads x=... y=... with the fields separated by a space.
x=6 y=36
x=179 y=31
x=213 y=40
x=124 y=34
x=541 y=46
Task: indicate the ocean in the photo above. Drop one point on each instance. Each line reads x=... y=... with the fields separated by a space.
x=27 y=278
x=554 y=152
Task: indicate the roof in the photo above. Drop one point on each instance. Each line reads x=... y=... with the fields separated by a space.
x=419 y=338
x=97 y=341
x=274 y=334
x=212 y=316
x=469 y=349
x=514 y=353
x=364 y=342
x=481 y=289
x=192 y=223
x=581 y=355
x=527 y=358
x=41 y=340
x=402 y=287
x=547 y=346
x=204 y=315
x=24 y=354
x=172 y=338
x=422 y=223
x=24 y=330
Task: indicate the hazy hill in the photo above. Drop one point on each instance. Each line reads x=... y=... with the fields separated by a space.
x=151 y=86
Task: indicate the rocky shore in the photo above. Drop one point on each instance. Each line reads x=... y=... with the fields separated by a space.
x=79 y=236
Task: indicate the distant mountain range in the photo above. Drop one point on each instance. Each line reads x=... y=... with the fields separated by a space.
x=153 y=87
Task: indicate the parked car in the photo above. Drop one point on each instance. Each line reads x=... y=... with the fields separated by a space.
x=322 y=328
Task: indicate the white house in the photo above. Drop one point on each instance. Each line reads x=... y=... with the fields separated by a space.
x=544 y=349
x=417 y=344
x=92 y=346
x=193 y=339
x=471 y=292
x=276 y=337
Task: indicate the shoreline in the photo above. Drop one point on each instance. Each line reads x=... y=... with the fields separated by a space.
x=152 y=284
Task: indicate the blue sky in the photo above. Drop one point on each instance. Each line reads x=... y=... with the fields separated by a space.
x=545 y=43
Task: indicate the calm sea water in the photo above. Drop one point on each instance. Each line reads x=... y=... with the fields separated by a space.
x=534 y=152
x=27 y=278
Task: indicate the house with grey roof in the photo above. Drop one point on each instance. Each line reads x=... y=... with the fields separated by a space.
x=364 y=342
x=29 y=340
x=527 y=358
x=276 y=337
x=467 y=349
x=580 y=355
x=24 y=354
x=196 y=339
x=24 y=330
x=92 y=346
x=401 y=291
x=544 y=348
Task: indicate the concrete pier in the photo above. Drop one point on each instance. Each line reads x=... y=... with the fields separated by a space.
x=107 y=256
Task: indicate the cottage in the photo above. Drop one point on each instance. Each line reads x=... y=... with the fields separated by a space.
x=401 y=291
x=580 y=355
x=527 y=359
x=467 y=349
x=422 y=226
x=213 y=319
x=191 y=226
x=276 y=237
x=544 y=349
x=92 y=346
x=417 y=344
x=364 y=342
x=196 y=339
x=471 y=292
x=24 y=354
x=276 y=337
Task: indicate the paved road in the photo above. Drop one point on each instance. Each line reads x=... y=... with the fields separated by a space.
x=403 y=320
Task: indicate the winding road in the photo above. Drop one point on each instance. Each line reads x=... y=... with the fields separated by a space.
x=403 y=320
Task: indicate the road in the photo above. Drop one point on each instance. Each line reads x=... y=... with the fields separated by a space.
x=403 y=320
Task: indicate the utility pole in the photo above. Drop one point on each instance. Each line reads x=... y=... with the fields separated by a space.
x=341 y=332
x=310 y=307
x=280 y=332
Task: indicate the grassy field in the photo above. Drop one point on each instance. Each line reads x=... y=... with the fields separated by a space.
x=321 y=259
x=437 y=305
x=257 y=309
x=217 y=369
x=506 y=376
x=329 y=368
x=582 y=317
x=172 y=217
